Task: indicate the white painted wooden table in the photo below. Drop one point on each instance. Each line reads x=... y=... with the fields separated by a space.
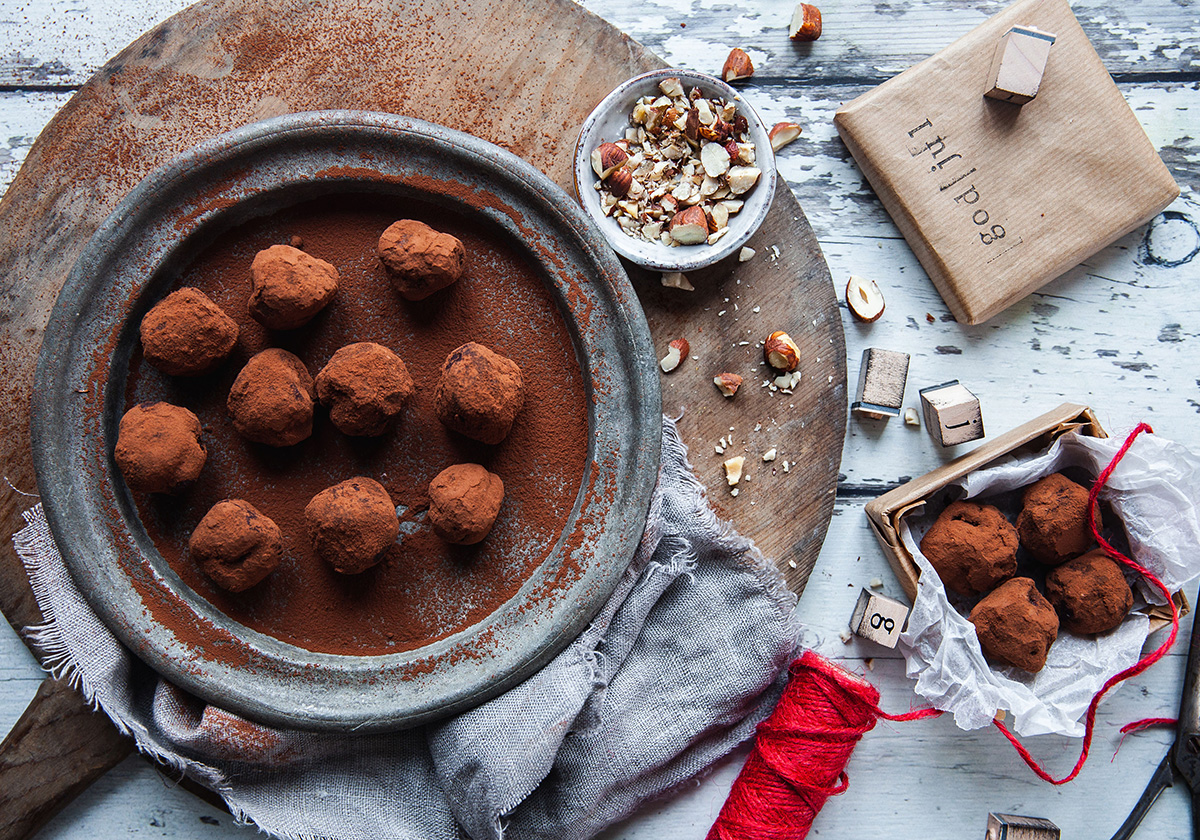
x=1118 y=333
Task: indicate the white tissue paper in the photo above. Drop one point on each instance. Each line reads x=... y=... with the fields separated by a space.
x=1155 y=492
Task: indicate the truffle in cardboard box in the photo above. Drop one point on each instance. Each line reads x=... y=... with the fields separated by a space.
x=1154 y=482
x=886 y=511
x=997 y=199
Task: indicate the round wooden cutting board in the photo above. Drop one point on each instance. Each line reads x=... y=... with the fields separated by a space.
x=521 y=75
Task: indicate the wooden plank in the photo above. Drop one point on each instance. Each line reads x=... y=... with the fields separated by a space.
x=52 y=45
x=58 y=748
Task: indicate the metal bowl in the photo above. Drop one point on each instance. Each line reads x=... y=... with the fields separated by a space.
x=79 y=397
x=608 y=122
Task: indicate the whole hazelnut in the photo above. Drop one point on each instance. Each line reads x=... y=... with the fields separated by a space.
x=619 y=182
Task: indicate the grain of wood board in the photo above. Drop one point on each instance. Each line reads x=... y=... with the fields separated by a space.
x=1119 y=333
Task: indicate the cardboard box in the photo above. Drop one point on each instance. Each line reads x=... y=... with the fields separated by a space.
x=886 y=512
x=997 y=199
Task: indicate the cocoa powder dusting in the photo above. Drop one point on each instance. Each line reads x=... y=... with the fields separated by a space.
x=424 y=589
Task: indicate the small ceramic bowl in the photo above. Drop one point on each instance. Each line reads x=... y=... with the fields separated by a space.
x=608 y=123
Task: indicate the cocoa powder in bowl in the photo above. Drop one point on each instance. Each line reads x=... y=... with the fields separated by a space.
x=424 y=589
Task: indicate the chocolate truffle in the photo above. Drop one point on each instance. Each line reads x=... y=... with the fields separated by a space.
x=463 y=503
x=420 y=260
x=479 y=393
x=972 y=547
x=1090 y=593
x=289 y=287
x=364 y=386
x=1053 y=523
x=235 y=545
x=1016 y=625
x=271 y=400
x=186 y=334
x=352 y=523
x=159 y=448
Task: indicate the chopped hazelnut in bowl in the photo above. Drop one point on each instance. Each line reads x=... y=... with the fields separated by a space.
x=676 y=168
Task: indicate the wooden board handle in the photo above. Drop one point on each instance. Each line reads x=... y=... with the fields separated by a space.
x=58 y=748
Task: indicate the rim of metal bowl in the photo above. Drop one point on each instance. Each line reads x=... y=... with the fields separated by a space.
x=614 y=109
x=79 y=396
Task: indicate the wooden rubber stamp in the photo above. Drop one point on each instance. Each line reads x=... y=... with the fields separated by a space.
x=952 y=413
x=878 y=618
x=1019 y=64
x=881 y=380
x=1012 y=827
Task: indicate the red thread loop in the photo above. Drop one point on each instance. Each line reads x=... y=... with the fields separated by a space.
x=1133 y=670
x=800 y=754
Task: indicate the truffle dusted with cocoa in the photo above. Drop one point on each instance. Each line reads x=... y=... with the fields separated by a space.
x=972 y=547
x=464 y=501
x=235 y=545
x=159 y=448
x=364 y=386
x=420 y=260
x=1090 y=593
x=480 y=393
x=1016 y=625
x=289 y=287
x=186 y=334
x=351 y=523
x=271 y=400
x=1053 y=523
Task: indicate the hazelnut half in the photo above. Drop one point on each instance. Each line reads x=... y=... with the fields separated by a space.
x=689 y=226
x=608 y=158
x=806 y=23
x=677 y=351
x=737 y=66
x=780 y=352
x=783 y=133
x=727 y=383
x=864 y=299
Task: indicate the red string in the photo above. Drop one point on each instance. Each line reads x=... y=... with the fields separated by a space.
x=800 y=752
x=1133 y=670
x=1148 y=723
x=1138 y=725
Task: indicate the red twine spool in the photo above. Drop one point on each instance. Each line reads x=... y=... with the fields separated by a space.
x=800 y=752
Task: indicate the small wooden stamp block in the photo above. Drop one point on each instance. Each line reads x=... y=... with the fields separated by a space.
x=952 y=413
x=1012 y=827
x=1018 y=65
x=878 y=618
x=881 y=381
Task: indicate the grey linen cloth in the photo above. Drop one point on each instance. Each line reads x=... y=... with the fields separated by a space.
x=677 y=669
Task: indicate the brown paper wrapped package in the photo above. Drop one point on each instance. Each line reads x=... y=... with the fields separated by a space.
x=998 y=199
